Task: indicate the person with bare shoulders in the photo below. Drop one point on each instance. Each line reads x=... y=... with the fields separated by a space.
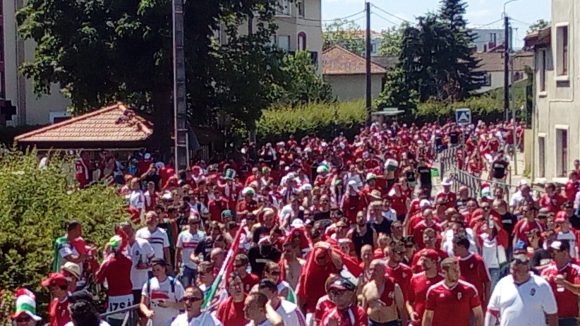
x=383 y=299
x=291 y=265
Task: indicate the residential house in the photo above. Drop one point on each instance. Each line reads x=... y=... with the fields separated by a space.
x=556 y=118
x=492 y=64
x=346 y=73
x=486 y=39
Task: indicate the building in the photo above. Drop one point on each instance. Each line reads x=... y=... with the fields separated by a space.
x=346 y=73
x=492 y=64
x=299 y=28
x=486 y=39
x=556 y=119
x=29 y=109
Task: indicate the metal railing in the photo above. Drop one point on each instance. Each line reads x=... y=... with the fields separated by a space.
x=131 y=316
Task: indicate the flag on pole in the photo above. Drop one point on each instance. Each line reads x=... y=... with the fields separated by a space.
x=226 y=268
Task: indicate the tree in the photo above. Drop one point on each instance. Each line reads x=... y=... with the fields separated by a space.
x=392 y=40
x=302 y=83
x=538 y=25
x=105 y=51
x=344 y=33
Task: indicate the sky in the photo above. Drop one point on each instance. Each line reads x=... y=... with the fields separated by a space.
x=478 y=12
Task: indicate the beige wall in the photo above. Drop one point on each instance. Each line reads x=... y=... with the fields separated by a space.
x=31 y=109
x=350 y=87
x=497 y=81
x=558 y=107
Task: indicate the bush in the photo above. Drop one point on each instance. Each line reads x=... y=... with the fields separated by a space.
x=34 y=208
x=323 y=119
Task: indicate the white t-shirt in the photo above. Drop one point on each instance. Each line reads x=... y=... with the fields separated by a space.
x=162 y=291
x=264 y=323
x=137 y=199
x=188 y=242
x=102 y=323
x=158 y=240
x=66 y=249
x=140 y=251
x=290 y=314
x=207 y=318
x=523 y=304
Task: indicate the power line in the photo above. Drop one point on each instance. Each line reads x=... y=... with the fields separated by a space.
x=519 y=21
x=385 y=19
x=388 y=13
x=339 y=18
x=485 y=25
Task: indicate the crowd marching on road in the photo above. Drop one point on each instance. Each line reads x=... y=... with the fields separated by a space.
x=330 y=233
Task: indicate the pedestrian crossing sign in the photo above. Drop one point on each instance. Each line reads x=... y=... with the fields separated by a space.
x=463 y=116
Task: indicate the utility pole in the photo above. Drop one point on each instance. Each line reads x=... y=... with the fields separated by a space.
x=179 y=105
x=368 y=63
x=506 y=76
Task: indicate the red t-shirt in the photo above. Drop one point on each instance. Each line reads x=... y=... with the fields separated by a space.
x=58 y=312
x=566 y=300
x=571 y=190
x=418 y=232
x=554 y=203
x=401 y=274
x=416 y=268
x=117 y=271
x=323 y=305
x=452 y=306
x=473 y=271
x=523 y=226
x=353 y=316
x=418 y=287
x=249 y=281
x=231 y=313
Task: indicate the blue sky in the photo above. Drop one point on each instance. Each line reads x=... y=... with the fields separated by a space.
x=479 y=12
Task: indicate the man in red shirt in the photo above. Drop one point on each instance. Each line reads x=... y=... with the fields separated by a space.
x=527 y=224
x=473 y=268
x=420 y=283
x=231 y=311
x=400 y=272
x=564 y=278
x=427 y=223
x=353 y=202
x=451 y=301
x=116 y=270
x=58 y=312
x=342 y=292
x=552 y=200
x=248 y=279
x=430 y=241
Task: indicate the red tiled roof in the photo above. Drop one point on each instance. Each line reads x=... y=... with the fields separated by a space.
x=115 y=123
x=493 y=61
x=340 y=61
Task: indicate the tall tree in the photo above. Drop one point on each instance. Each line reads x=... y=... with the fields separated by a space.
x=538 y=25
x=113 y=50
x=344 y=33
x=392 y=40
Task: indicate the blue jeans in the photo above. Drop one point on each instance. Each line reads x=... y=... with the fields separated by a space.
x=494 y=274
x=187 y=276
x=570 y=321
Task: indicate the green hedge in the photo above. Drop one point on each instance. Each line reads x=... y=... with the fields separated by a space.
x=325 y=120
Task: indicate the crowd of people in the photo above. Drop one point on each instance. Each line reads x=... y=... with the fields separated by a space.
x=315 y=232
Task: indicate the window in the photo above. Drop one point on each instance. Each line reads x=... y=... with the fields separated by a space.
x=542 y=157
x=283 y=42
x=542 y=66
x=301 y=10
x=301 y=41
x=562 y=50
x=283 y=8
x=487 y=80
x=561 y=152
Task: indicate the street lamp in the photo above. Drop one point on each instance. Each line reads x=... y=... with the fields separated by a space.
x=505 y=4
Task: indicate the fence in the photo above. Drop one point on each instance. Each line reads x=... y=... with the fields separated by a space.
x=447 y=160
x=131 y=316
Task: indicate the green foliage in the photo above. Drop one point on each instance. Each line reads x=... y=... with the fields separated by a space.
x=302 y=84
x=435 y=61
x=392 y=40
x=538 y=25
x=344 y=33
x=323 y=119
x=396 y=93
x=34 y=208
x=105 y=51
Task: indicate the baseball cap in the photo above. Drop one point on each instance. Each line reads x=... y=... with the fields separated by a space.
x=521 y=259
x=543 y=212
x=54 y=279
x=560 y=217
x=431 y=254
x=342 y=284
x=560 y=245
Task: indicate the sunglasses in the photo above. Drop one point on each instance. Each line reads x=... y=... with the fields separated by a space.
x=192 y=299
x=336 y=293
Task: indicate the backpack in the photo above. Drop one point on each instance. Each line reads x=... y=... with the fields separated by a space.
x=171 y=283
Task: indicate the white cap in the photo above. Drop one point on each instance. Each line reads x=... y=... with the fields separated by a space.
x=424 y=204
x=297 y=223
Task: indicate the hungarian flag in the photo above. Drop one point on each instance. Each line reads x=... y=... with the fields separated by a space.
x=225 y=270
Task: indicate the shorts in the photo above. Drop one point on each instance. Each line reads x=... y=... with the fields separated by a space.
x=389 y=323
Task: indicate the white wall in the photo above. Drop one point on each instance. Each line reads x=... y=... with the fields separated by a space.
x=351 y=87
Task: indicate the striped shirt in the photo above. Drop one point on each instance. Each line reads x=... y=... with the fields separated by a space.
x=158 y=240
